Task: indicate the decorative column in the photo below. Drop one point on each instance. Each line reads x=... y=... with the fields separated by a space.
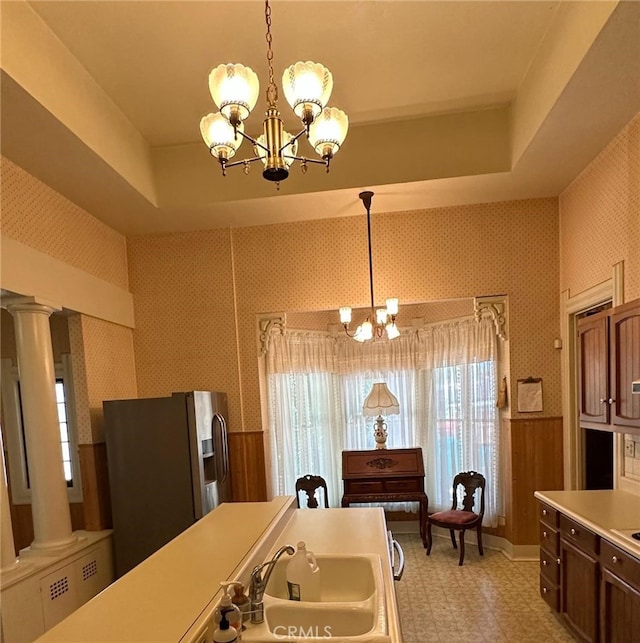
x=49 y=503
x=8 y=560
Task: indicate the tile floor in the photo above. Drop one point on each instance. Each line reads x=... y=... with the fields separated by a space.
x=489 y=598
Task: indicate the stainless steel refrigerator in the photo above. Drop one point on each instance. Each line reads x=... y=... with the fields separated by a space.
x=168 y=462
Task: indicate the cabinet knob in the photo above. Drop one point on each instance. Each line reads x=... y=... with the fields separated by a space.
x=544 y=512
x=544 y=590
x=573 y=532
x=544 y=563
x=603 y=400
x=558 y=561
x=611 y=400
x=544 y=534
x=614 y=559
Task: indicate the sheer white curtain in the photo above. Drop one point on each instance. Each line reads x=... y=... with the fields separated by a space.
x=444 y=378
x=458 y=393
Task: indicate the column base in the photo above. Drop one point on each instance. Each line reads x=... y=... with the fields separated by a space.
x=52 y=547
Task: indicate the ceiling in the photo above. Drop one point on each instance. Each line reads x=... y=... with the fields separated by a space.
x=449 y=102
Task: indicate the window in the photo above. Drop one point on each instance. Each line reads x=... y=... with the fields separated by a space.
x=447 y=407
x=15 y=436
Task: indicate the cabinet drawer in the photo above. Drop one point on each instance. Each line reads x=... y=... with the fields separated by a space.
x=578 y=535
x=620 y=563
x=549 y=539
x=550 y=593
x=398 y=486
x=353 y=487
x=548 y=514
x=550 y=567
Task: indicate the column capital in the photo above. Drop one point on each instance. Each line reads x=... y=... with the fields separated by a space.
x=20 y=304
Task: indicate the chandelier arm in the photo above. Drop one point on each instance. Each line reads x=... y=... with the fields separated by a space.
x=243 y=162
x=293 y=140
x=304 y=159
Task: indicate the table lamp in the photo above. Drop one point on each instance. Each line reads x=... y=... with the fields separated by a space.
x=380 y=401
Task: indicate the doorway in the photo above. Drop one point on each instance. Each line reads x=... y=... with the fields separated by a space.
x=598 y=459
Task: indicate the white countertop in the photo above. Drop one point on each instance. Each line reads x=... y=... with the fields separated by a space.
x=170 y=596
x=604 y=512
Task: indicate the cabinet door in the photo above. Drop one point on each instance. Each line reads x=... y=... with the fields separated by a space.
x=593 y=373
x=624 y=331
x=579 y=591
x=619 y=610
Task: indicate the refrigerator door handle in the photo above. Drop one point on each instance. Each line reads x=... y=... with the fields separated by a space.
x=225 y=446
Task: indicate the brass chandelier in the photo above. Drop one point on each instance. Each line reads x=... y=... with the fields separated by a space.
x=382 y=321
x=307 y=88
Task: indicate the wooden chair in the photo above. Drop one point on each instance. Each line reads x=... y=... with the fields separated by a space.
x=461 y=519
x=310 y=484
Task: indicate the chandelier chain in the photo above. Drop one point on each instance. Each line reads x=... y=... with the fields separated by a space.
x=272 y=89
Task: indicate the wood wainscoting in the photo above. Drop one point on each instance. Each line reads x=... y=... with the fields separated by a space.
x=95 y=486
x=246 y=455
x=533 y=461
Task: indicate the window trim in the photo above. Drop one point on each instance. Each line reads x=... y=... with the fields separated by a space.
x=14 y=437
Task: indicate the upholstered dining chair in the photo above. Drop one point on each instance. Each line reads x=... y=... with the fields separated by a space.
x=310 y=485
x=455 y=519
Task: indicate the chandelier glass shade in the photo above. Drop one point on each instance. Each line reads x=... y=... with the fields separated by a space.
x=381 y=321
x=307 y=87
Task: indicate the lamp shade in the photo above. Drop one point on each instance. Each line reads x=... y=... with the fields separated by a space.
x=328 y=131
x=381 y=401
x=219 y=136
x=307 y=86
x=234 y=89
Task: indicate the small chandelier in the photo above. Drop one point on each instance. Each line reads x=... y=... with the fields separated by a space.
x=383 y=320
x=307 y=88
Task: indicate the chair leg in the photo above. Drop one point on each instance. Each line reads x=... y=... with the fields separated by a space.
x=429 y=541
x=479 y=530
x=461 y=547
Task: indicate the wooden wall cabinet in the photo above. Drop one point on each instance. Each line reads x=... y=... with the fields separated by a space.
x=609 y=360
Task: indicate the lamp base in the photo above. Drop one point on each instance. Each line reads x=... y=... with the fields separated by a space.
x=380 y=433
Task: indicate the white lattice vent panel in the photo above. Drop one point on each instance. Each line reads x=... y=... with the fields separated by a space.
x=94 y=572
x=59 y=595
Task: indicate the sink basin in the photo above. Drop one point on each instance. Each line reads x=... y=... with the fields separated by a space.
x=319 y=620
x=351 y=607
x=342 y=578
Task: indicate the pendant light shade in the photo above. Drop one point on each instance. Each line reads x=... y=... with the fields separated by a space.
x=328 y=131
x=234 y=89
x=307 y=87
x=220 y=136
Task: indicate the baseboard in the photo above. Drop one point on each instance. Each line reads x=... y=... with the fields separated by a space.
x=511 y=551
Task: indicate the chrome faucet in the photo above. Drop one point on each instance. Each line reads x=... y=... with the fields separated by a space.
x=258 y=583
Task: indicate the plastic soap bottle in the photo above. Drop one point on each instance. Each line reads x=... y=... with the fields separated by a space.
x=227 y=611
x=225 y=633
x=303 y=575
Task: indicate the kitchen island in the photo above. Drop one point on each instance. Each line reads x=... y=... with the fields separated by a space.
x=172 y=594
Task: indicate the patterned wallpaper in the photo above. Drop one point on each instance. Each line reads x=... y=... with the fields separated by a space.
x=109 y=370
x=185 y=336
x=600 y=226
x=600 y=218
x=37 y=216
x=183 y=288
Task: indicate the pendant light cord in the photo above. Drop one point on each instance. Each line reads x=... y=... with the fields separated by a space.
x=366 y=199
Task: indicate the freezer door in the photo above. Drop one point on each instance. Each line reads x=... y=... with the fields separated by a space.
x=149 y=475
